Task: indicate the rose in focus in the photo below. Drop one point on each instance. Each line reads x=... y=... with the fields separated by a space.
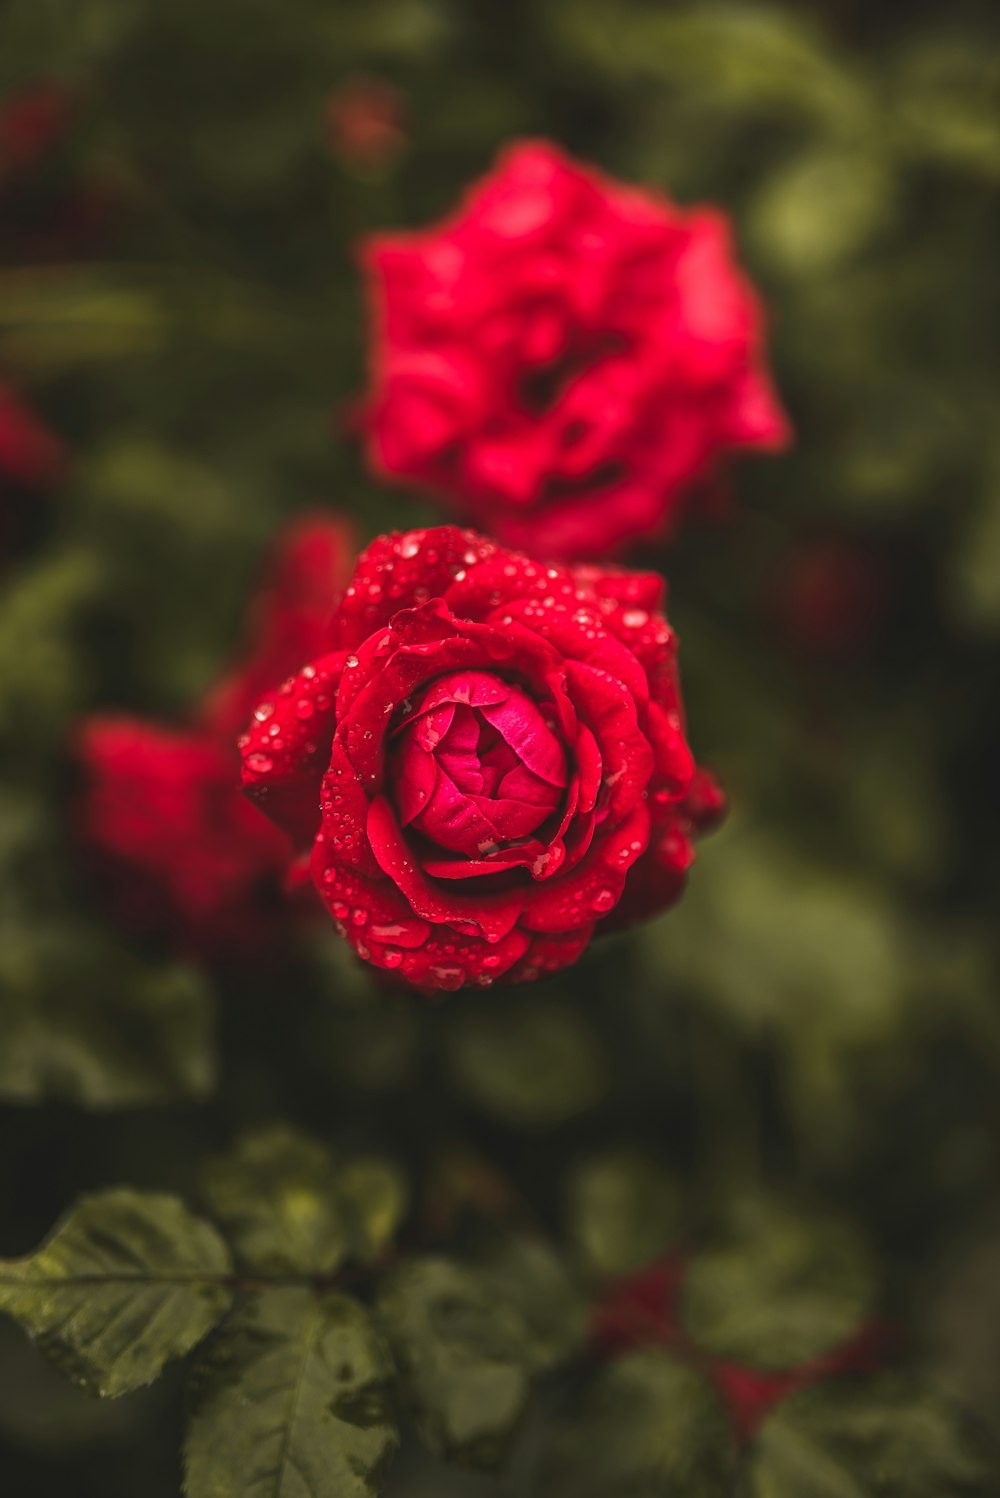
x=565 y=357
x=177 y=851
x=488 y=761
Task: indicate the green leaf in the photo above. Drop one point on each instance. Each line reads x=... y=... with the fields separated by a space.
x=462 y=1356
x=648 y=1426
x=125 y=1283
x=290 y=1399
x=83 y=1022
x=743 y=60
x=532 y=1063
x=524 y=1275
x=880 y=1438
x=43 y=678
x=946 y=105
x=776 y=1287
x=288 y=1209
x=974 y=592
x=623 y=1212
x=50 y=321
x=276 y=1198
x=377 y=1197
x=818 y=211
x=779 y=947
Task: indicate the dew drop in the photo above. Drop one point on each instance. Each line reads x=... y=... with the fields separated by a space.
x=259 y=763
x=448 y=978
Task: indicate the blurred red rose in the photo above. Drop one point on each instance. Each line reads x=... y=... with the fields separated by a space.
x=178 y=851
x=52 y=207
x=642 y=1310
x=365 y=123
x=31 y=457
x=565 y=356
x=828 y=596
x=480 y=755
x=32 y=122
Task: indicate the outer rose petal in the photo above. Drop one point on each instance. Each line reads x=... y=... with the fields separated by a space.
x=286 y=747
x=401 y=571
x=494 y=914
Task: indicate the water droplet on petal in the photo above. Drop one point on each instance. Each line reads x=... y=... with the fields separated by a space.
x=448 y=978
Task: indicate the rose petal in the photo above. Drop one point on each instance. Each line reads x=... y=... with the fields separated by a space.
x=286 y=747
x=493 y=914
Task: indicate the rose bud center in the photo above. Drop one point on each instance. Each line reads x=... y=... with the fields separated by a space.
x=475 y=765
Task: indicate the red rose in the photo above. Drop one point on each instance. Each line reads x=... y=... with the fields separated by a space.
x=180 y=855
x=31 y=457
x=178 y=850
x=366 y=123
x=563 y=357
x=31 y=123
x=483 y=753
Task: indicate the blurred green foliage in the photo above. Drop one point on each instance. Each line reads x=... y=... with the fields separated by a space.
x=820 y=1012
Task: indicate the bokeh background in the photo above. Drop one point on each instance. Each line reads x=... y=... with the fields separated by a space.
x=179 y=302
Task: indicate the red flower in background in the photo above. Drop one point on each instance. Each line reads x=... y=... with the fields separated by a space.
x=178 y=851
x=31 y=457
x=828 y=596
x=643 y=1310
x=483 y=751
x=32 y=122
x=365 y=123
x=565 y=356
x=52 y=206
